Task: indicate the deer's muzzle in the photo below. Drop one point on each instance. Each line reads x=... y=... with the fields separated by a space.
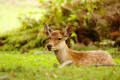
x=49 y=47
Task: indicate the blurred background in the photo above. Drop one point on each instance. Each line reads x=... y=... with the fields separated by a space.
x=11 y=10
x=93 y=22
x=95 y=25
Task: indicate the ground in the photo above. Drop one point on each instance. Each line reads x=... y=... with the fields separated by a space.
x=34 y=66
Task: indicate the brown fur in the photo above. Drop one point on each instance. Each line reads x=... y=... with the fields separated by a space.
x=91 y=58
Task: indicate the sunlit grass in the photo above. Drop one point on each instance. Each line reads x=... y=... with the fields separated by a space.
x=41 y=67
x=26 y=60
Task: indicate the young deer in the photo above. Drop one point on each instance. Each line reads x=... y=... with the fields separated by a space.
x=67 y=56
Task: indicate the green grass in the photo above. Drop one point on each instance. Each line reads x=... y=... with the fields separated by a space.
x=9 y=14
x=33 y=66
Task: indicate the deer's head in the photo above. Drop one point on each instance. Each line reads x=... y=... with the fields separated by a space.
x=56 y=38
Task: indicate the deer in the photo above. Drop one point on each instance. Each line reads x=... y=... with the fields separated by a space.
x=66 y=56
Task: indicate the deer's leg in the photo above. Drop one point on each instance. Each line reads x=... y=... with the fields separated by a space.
x=69 y=62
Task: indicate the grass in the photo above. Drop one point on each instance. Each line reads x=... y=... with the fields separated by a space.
x=9 y=14
x=32 y=66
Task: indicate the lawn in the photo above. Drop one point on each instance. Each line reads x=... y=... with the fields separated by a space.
x=34 y=66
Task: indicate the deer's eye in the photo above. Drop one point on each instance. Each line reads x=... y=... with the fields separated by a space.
x=49 y=38
x=59 y=38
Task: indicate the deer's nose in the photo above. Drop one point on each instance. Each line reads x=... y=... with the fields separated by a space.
x=49 y=47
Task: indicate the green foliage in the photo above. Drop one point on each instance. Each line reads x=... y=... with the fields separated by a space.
x=72 y=17
x=23 y=40
x=73 y=35
x=90 y=14
x=67 y=11
x=71 y=40
x=32 y=19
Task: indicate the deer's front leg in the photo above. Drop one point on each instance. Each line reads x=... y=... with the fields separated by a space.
x=69 y=62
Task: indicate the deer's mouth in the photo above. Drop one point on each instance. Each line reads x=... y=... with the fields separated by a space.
x=52 y=49
x=49 y=49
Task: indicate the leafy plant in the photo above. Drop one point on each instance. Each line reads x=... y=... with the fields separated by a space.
x=32 y=19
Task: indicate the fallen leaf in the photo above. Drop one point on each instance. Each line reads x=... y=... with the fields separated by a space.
x=47 y=75
x=54 y=75
x=13 y=74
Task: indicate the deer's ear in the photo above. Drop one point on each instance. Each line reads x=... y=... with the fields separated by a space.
x=47 y=29
x=68 y=31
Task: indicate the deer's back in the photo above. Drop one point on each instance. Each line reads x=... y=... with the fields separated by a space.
x=91 y=58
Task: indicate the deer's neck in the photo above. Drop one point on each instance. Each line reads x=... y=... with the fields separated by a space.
x=62 y=53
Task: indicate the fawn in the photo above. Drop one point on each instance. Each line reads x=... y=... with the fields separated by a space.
x=67 y=56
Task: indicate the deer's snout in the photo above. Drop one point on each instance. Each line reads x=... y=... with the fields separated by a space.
x=49 y=46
